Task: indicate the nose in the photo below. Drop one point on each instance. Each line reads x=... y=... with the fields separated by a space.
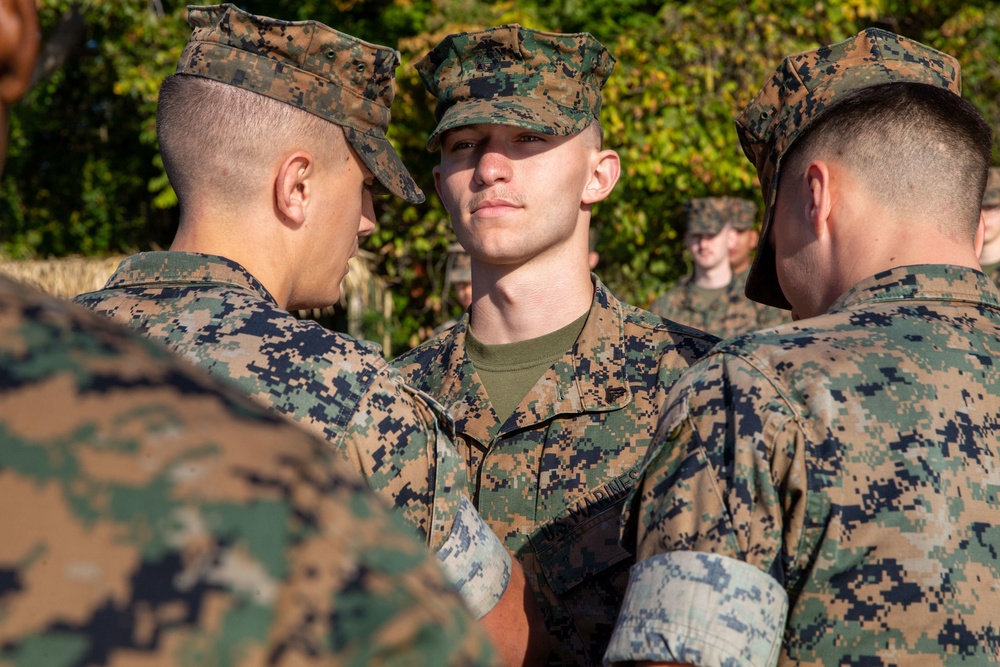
x=493 y=166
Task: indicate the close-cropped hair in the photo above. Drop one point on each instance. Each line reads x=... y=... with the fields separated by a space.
x=915 y=147
x=218 y=139
x=596 y=133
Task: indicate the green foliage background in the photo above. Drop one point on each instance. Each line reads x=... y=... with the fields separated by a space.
x=84 y=176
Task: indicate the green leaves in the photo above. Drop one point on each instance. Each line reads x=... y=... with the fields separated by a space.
x=84 y=176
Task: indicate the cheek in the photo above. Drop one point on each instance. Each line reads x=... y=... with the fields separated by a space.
x=449 y=188
x=991 y=218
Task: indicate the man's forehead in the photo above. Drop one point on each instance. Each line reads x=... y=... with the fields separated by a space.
x=705 y=235
x=490 y=128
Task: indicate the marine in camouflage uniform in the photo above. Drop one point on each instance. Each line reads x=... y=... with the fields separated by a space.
x=214 y=312
x=152 y=517
x=825 y=492
x=723 y=311
x=990 y=255
x=550 y=472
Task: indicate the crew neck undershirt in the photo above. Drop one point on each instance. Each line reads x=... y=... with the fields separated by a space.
x=509 y=370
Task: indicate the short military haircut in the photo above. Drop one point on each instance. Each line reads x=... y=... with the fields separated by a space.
x=217 y=140
x=916 y=148
x=596 y=133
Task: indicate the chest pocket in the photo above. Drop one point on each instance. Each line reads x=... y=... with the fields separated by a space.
x=567 y=558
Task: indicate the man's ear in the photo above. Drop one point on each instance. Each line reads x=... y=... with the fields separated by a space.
x=819 y=199
x=292 y=187
x=606 y=171
x=18 y=47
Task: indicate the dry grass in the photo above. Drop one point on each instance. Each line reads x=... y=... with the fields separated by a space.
x=362 y=291
x=63 y=278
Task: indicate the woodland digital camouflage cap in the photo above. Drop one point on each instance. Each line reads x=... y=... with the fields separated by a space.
x=991 y=198
x=311 y=67
x=708 y=215
x=511 y=75
x=804 y=87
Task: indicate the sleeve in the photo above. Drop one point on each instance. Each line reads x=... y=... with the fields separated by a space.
x=403 y=442
x=713 y=535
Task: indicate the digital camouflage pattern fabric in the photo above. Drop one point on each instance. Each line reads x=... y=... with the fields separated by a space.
x=309 y=66
x=721 y=312
x=511 y=75
x=552 y=478
x=804 y=87
x=852 y=461
x=152 y=517
x=213 y=312
x=708 y=215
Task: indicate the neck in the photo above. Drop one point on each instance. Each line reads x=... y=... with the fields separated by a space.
x=715 y=277
x=522 y=303
x=897 y=244
x=240 y=242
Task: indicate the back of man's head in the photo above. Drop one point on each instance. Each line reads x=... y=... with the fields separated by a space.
x=920 y=151
x=908 y=158
x=219 y=142
x=305 y=66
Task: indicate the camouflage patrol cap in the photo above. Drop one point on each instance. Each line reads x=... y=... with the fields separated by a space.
x=806 y=86
x=991 y=198
x=311 y=67
x=510 y=75
x=708 y=215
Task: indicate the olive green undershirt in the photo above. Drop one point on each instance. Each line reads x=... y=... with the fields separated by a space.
x=704 y=300
x=509 y=371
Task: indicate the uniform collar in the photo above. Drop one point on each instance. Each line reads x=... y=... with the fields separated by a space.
x=158 y=269
x=590 y=377
x=923 y=282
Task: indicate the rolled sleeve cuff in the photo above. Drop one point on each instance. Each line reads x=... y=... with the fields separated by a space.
x=699 y=608
x=475 y=561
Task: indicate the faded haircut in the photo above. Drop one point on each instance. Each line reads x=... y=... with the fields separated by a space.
x=217 y=140
x=916 y=148
x=596 y=133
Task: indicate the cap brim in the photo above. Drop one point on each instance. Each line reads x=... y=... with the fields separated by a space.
x=762 y=280
x=381 y=159
x=531 y=113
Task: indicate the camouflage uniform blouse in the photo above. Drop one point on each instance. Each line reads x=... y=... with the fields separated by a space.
x=152 y=518
x=993 y=271
x=844 y=471
x=214 y=313
x=552 y=478
x=724 y=312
